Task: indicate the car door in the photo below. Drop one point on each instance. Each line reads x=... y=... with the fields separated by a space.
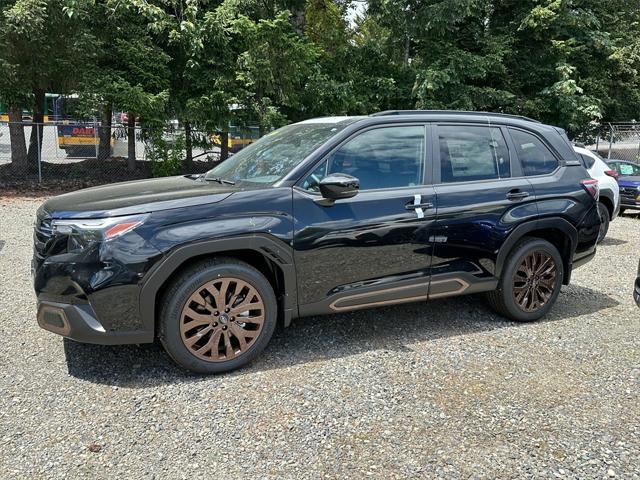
x=482 y=195
x=374 y=248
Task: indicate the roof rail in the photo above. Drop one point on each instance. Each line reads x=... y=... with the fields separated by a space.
x=450 y=112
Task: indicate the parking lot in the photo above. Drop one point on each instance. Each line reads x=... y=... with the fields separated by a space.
x=446 y=389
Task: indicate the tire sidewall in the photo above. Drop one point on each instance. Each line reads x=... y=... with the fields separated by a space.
x=605 y=219
x=507 y=279
x=171 y=316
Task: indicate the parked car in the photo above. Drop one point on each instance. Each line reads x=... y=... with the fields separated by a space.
x=629 y=182
x=609 y=200
x=323 y=216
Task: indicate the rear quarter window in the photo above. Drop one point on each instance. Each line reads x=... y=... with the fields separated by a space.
x=534 y=155
x=587 y=160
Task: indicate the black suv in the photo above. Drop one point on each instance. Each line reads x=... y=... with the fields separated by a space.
x=322 y=216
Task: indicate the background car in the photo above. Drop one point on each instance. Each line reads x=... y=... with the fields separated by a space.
x=628 y=176
x=609 y=202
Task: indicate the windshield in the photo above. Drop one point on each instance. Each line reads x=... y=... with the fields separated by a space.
x=276 y=154
x=627 y=169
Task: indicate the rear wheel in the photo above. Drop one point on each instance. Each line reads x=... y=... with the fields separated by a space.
x=605 y=218
x=217 y=316
x=530 y=282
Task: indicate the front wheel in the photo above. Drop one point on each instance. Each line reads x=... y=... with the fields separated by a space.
x=530 y=281
x=217 y=316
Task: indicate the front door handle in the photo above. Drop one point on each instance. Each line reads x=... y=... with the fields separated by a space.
x=517 y=195
x=413 y=206
x=418 y=205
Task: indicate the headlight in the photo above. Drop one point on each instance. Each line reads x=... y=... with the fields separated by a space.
x=82 y=232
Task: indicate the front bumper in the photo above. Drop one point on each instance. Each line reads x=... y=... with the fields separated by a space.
x=629 y=203
x=80 y=323
x=629 y=197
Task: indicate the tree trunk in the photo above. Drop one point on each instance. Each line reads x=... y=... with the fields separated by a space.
x=188 y=143
x=299 y=20
x=131 y=142
x=104 y=132
x=37 y=128
x=19 y=160
x=224 y=146
x=407 y=47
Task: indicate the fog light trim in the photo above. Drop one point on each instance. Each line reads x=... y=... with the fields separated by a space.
x=54 y=319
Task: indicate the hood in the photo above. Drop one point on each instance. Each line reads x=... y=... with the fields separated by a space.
x=140 y=196
x=629 y=181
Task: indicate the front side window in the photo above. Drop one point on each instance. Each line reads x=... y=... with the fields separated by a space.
x=388 y=157
x=470 y=153
x=535 y=157
x=276 y=154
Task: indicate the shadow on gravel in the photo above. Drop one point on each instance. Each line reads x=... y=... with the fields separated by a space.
x=610 y=242
x=325 y=337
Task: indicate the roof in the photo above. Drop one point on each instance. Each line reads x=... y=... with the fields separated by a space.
x=453 y=113
x=337 y=119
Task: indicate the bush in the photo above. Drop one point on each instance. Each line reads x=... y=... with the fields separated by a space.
x=166 y=155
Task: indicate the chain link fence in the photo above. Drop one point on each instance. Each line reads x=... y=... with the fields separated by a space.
x=619 y=141
x=73 y=152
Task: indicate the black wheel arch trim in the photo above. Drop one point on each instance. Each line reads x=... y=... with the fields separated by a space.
x=273 y=249
x=608 y=194
x=540 y=224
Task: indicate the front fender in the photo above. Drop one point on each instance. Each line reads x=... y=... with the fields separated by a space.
x=272 y=248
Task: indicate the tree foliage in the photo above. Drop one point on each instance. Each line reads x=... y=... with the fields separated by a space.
x=573 y=63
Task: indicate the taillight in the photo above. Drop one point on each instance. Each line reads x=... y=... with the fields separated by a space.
x=612 y=173
x=592 y=187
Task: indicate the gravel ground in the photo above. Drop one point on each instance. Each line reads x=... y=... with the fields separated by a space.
x=441 y=390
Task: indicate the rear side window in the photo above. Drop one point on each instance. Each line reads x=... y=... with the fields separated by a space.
x=587 y=160
x=534 y=155
x=469 y=153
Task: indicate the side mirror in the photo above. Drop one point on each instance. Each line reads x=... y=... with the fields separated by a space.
x=338 y=185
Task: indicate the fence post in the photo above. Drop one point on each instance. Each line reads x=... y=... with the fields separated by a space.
x=39 y=152
x=95 y=137
x=610 y=140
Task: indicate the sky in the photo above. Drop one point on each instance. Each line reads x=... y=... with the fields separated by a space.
x=358 y=7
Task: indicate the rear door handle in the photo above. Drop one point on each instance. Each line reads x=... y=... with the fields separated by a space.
x=517 y=195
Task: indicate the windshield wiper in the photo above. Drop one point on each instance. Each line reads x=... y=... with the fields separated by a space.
x=219 y=180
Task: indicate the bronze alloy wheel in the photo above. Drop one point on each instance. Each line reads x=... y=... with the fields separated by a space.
x=222 y=319
x=534 y=281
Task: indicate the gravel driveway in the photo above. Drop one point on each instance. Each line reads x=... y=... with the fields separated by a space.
x=446 y=389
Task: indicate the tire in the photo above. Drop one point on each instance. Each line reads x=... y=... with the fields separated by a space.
x=503 y=299
x=202 y=324
x=605 y=218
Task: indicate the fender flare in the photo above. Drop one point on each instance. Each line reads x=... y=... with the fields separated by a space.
x=545 y=223
x=608 y=194
x=273 y=249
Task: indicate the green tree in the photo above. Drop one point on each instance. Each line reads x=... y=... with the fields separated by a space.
x=40 y=45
